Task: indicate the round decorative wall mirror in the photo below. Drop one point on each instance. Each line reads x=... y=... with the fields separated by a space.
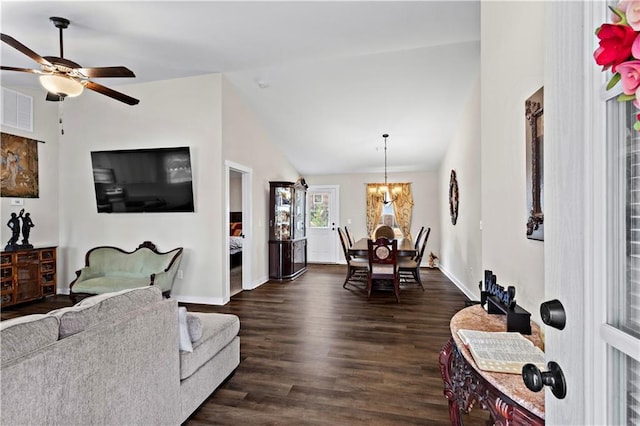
x=453 y=197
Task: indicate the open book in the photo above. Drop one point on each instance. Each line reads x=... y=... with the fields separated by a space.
x=502 y=352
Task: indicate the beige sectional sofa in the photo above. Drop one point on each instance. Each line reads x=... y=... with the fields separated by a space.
x=112 y=359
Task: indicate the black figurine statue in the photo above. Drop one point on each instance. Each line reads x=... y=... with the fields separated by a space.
x=27 y=224
x=14 y=225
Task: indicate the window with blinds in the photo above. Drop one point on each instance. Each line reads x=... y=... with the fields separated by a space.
x=623 y=286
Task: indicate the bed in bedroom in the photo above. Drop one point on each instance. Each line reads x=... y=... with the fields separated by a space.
x=235 y=239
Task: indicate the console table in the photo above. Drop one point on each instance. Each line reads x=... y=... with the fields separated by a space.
x=27 y=274
x=504 y=395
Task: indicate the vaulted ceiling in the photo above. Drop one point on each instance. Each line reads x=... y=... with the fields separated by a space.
x=326 y=79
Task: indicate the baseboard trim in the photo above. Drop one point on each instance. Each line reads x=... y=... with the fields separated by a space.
x=470 y=295
x=257 y=283
x=199 y=300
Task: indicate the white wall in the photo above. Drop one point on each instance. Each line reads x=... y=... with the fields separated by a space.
x=461 y=244
x=171 y=113
x=511 y=71
x=426 y=197
x=247 y=143
x=44 y=209
x=184 y=112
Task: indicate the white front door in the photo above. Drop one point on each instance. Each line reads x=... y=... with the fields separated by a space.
x=322 y=218
x=592 y=158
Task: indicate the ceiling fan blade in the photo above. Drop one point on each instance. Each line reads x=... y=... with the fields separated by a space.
x=29 y=70
x=24 y=49
x=53 y=97
x=111 y=93
x=96 y=72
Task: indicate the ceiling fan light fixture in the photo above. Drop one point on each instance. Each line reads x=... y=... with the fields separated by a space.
x=61 y=85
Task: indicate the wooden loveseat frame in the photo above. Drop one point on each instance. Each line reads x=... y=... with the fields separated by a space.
x=109 y=269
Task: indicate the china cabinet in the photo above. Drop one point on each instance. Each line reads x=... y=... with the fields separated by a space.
x=287 y=232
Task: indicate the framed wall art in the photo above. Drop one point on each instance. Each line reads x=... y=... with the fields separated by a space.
x=453 y=197
x=19 y=167
x=534 y=109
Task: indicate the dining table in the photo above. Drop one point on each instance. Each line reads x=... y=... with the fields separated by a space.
x=406 y=247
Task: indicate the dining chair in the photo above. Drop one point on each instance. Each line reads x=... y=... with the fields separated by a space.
x=349 y=236
x=410 y=267
x=384 y=231
x=356 y=267
x=418 y=238
x=383 y=264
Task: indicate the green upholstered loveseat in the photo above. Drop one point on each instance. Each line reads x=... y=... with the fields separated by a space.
x=108 y=269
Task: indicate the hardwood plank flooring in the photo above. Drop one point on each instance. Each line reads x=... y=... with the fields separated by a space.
x=313 y=353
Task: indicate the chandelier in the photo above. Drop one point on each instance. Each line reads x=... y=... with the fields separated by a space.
x=383 y=191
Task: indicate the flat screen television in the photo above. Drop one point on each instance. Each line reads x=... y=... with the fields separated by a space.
x=143 y=180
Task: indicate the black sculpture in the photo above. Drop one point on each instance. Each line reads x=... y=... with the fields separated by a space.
x=27 y=224
x=14 y=225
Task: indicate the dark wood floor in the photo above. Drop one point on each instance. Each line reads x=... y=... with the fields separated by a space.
x=314 y=353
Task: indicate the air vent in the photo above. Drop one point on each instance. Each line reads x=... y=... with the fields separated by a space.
x=17 y=110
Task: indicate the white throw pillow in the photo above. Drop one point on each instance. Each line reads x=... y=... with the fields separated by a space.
x=185 y=340
x=194 y=326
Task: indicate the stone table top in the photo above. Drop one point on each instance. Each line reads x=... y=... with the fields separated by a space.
x=511 y=385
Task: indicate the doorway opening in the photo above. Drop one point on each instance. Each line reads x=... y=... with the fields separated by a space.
x=238 y=214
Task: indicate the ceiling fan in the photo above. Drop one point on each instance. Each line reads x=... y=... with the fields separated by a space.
x=62 y=77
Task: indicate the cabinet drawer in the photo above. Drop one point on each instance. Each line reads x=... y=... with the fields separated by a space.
x=6 y=299
x=47 y=254
x=6 y=285
x=5 y=259
x=49 y=277
x=47 y=267
x=6 y=272
x=27 y=257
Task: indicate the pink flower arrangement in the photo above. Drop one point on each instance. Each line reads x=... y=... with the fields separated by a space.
x=619 y=51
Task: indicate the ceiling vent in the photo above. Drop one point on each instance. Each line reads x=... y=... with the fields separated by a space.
x=17 y=110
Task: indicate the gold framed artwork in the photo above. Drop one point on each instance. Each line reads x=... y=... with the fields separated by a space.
x=534 y=113
x=19 y=171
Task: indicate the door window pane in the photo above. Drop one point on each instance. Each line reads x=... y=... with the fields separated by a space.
x=625 y=385
x=319 y=210
x=623 y=286
x=624 y=151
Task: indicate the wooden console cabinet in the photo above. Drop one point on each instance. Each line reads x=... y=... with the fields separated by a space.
x=27 y=274
x=505 y=396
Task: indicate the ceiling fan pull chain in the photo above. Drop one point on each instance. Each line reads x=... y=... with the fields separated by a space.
x=61 y=114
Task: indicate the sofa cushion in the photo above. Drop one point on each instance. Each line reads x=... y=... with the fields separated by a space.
x=218 y=330
x=96 y=309
x=20 y=336
x=110 y=284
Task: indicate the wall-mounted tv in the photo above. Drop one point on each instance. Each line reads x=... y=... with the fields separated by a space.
x=143 y=180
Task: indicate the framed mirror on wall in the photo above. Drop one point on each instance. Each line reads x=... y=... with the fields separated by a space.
x=534 y=113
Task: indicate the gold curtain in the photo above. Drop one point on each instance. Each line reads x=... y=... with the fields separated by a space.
x=402 y=206
x=374 y=206
x=402 y=198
